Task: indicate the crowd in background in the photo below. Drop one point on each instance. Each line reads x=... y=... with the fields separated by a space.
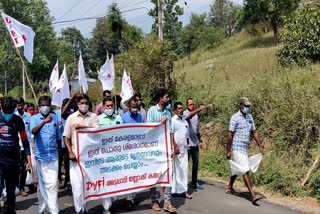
x=37 y=149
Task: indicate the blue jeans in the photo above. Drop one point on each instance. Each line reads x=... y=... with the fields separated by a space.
x=9 y=175
x=194 y=153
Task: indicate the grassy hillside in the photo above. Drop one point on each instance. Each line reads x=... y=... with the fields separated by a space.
x=285 y=108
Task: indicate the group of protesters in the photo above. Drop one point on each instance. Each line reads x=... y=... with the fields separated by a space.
x=40 y=142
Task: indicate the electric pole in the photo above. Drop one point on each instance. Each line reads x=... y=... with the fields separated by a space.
x=160 y=26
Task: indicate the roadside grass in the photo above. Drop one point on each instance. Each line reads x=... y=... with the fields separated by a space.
x=285 y=109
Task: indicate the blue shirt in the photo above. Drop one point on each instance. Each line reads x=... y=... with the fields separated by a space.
x=46 y=147
x=9 y=140
x=26 y=119
x=58 y=114
x=155 y=115
x=242 y=128
x=128 y=118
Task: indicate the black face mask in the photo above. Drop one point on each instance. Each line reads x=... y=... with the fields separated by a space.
x=134 y=112
x=165 y=103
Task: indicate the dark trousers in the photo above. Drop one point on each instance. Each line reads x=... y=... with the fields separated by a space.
x=23 y=170
x=9 y=175
x=194 y=153
x=64 y=158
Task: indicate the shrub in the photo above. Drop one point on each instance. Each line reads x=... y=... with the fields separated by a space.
x=301 y=37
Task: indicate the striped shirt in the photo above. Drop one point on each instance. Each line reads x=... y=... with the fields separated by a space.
x=155 y=115
x=242 y=128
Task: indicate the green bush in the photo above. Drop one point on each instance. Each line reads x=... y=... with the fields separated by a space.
x=301 y=37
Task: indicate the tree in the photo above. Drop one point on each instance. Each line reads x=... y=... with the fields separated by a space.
x=112 y=34
x=35 y=14
x=224 y=14
x=272 y=10
x=301 y=37
x=171 y=24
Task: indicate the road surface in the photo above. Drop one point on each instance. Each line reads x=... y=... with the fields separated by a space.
x=208 y=201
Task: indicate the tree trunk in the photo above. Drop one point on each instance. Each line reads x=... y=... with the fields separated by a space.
x=266 y=27
x=274 y=24
x=189 y=53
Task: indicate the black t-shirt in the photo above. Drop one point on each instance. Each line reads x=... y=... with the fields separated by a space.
x=9 y=139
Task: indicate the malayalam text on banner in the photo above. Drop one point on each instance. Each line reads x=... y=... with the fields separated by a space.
x=123 y=159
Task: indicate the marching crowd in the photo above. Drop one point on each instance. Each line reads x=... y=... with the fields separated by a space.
x=36 y=143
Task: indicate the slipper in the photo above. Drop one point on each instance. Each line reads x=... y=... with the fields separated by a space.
x=231 y=192
x=257 y=198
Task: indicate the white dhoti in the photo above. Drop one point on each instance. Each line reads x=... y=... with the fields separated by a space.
x=77 y=187
x=33 y=165
x=48 y=186
x=180 y=173
x=242 y=163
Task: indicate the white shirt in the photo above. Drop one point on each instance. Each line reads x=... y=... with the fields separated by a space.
x=180 y=130
x=144 y=114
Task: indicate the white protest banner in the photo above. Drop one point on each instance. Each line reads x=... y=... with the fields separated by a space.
x=126 y=87
x=123 y=159
x=21 y=34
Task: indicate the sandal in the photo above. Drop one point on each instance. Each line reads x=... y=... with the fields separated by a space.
x=188 y=196
x=169 y=208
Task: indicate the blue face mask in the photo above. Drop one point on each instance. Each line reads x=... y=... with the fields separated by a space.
x=245 y=110
x=7 y=117
x=168 y=107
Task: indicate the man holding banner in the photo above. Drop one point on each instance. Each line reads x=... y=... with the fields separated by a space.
x=156 y=114
x=79 y=120
x=131 y=116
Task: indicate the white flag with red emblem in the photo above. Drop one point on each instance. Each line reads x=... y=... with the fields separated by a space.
x=21 y=35
x=62 y=89
x=54 y=78
x=82 y=76
x=105 y=75
x=126 y=88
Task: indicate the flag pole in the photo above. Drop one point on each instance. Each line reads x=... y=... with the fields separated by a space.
x=24 y=72
x=79 y=74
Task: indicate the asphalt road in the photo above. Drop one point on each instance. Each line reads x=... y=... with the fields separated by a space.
x=208 y=201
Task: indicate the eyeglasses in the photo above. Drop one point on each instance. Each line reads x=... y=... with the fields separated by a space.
x=191 y=104
x=180 y=108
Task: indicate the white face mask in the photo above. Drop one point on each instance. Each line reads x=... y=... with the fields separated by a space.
x=44 y=110
x=109 y=112
x=83 y=108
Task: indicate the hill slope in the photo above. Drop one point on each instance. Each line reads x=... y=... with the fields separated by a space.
x=285 y=109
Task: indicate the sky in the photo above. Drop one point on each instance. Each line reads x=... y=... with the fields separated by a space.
x=134 y=11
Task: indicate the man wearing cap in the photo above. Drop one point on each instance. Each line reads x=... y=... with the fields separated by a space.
x=240 y=129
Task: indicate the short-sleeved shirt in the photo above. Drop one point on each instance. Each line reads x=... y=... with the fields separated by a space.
x=180 y=129
x=194 y=129
x=242 y=127
x=105 y=120
x=26 y=117
x=9 y=140
x=99 y=109
x=155 y=115
x=89 y=119
x=46 y=147
x=143 y=113
x=128 y=118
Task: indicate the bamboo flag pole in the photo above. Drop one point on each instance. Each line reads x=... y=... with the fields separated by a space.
x=24 y=72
